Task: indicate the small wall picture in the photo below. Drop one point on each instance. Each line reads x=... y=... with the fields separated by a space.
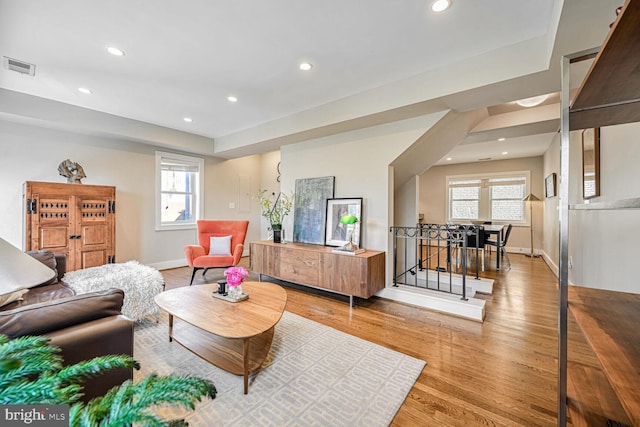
x=338 y=233
x=550 y=185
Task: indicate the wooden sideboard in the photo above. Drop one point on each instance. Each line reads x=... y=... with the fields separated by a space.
x=317 y=266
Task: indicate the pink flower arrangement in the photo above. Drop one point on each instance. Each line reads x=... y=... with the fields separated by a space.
x=235 y=275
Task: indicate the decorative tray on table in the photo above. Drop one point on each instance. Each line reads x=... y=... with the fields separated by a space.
x=227 y=297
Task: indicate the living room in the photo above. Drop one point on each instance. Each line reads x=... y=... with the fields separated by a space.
x=346 y=139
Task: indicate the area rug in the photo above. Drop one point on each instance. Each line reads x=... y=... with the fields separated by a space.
x=314 y=376
x=139 y=282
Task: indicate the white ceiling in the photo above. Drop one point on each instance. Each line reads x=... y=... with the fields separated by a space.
x=182 y=59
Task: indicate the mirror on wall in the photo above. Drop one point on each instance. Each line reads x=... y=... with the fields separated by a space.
x=590 y=163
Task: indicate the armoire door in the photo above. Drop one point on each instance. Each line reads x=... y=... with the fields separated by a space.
x=50 y=221
x=92 y=236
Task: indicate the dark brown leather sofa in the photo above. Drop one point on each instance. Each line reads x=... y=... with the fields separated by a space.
x=83 y=326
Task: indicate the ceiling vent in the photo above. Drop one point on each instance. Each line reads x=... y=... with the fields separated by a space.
x=19 y=66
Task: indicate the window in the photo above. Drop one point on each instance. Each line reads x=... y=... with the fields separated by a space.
x=506 y=199
x=178 y=191
x=464 y=196
x=496 y=197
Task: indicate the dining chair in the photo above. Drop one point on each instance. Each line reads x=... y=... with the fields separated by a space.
x=503 y=243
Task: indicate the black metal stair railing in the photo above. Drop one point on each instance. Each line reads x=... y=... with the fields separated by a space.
x=428 y=247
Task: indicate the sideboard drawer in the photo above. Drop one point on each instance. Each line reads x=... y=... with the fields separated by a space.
x=300 y=266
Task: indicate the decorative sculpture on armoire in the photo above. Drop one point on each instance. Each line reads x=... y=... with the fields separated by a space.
x=72 y=171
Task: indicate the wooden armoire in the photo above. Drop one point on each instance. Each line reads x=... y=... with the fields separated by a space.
x=75 y=219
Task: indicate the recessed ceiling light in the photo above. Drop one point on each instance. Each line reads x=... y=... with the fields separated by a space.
x=505 y=153
x=115 y=51
x=84 y=90
x=188 y=119
x=501 y=139
x=232 y=98
x=533 y=101
x=305 y=66
x=449 y=158
x=440 y=5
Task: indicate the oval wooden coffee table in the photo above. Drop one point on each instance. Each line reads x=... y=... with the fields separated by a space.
x=234 y=336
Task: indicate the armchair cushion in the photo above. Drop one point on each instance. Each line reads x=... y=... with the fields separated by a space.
x=220 y=245
x=213 y=261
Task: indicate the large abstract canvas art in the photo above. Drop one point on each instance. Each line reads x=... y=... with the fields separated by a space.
x=311 y=209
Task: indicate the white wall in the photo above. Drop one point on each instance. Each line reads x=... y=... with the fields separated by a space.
x=359 y=161
x=406 y=215
x=603 y=244
x=30 y=153
x=406 y=204
x=270 y=178
x=551 y=215
x=230 y=189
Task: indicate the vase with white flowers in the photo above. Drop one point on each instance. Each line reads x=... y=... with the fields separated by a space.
x=275 y=209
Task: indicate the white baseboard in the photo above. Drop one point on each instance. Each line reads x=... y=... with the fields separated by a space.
x=552 y=265
x=176 y=263
x=525 y=251
x=166 y=265
x=472 y=309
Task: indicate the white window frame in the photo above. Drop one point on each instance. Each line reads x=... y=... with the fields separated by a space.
x=484 y=209
x=198 y=192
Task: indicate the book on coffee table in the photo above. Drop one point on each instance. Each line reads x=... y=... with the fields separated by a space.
x=348 y=252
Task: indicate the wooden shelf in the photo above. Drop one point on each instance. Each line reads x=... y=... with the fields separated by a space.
x=609 y=321
x=610 y=93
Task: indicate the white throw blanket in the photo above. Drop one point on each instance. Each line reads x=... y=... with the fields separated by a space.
x=139 y=282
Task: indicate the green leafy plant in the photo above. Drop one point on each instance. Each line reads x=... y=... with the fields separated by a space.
x=275 y=208
x=31 y=372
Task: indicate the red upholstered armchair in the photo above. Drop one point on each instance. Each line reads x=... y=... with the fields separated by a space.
x=221 y=243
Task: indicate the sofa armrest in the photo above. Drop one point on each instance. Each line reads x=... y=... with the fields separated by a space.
x=109 y=335
x=41 y=318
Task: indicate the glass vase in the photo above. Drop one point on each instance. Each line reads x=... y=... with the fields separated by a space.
x=235 y=292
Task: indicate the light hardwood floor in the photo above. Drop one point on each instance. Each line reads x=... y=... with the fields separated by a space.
x=502 y=372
